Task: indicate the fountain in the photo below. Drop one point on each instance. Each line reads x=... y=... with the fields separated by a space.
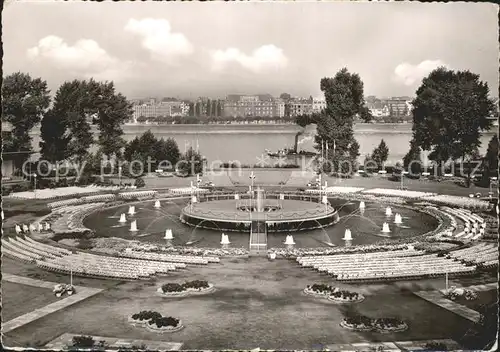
x=224 y=241
x=133 y=226
x=131 y=210
x=289 y=240
x=385 y=228
x=18 y=229
x=362 y=205
x=347 y=235
x=40 y=227
x=25 y=228
x=157 y=204
x=47 y=226
x=398 y=219
x=168 y=235
x=3 y=216
x=123 y=218
x=388 y=211
x=32 y=228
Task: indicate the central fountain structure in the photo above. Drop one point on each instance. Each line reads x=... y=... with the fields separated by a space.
x=271 y=210
x=157 y=204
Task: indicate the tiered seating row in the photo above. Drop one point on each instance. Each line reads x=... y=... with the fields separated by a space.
x=137 y=194
x=478 y=254
x=398 y=193
x=86 y=264
x=173 y=258
x=71 y=216
x=456 y=201
x=384 y=265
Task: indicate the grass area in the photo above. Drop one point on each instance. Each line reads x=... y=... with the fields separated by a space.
x=32 y=271
x=483 y=297
x=20 y=299
x=22 y=211
x=257 y=303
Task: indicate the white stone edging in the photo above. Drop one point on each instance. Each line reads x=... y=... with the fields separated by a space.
x=188 y=292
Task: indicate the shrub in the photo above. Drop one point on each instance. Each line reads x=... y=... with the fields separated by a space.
x=83 y=341
x=172 y=287
x=195 y=284
x=436 y=346
x=139 y=182
x=164 y=321
x=146 y=315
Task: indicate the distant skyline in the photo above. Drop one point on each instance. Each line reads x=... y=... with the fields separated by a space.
x=188 y=50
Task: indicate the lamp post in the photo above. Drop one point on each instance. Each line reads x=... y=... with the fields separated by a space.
x=34 y=186
x=403 y=173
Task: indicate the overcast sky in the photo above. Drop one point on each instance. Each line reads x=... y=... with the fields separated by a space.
x=214 y=49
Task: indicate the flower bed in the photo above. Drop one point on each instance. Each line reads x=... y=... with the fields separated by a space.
x=455 y=293
x=196 y=287
x=154 y=321
x=333 y=293
x=382 y=325
x=319 y=290
x=344 y=296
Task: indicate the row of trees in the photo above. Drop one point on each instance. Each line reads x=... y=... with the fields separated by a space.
x=66 y=123
x=450 y=112
x=162 y=153
x=209 y=108
x=208 y=120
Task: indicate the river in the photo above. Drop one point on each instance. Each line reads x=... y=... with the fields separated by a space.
x=246 y=143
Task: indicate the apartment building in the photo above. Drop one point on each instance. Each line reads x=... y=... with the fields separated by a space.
x=300 y=106
x=318 y=104
x=263 y=105
x=162 y=108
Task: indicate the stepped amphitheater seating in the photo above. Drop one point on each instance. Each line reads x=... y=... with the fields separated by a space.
x=64 y=203
x=482 y=253
x=456 y=201
x=173 y=258
x=71 y=216
x=336 y=190
x=300 y=178
x=99 y=198
x=85 y=264
x=220 y=179
x=187 y=190
x=404 y=264
x=473 y=223
x=137 y=194
x=398 y=193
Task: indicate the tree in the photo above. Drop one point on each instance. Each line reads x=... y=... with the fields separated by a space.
x=167 y=150
x=112 y=110
x=209 y=104
x=285 y=96
x=380 y=154
x=449 y=113
x=130 y=148
x=412 y=161
x=73 y=105
x=344 y=100
x=490 y=161
x=24 y=101
x=191 y=109
x=191 y=162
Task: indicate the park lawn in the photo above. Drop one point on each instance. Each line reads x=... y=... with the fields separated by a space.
x=32 y=271
x=256 y=303
x=18 y=299
x=483 y=297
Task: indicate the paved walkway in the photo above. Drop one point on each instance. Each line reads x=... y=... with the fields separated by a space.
x=436 y=297
x=114 y=342
x=81 y=294
x=392 y=346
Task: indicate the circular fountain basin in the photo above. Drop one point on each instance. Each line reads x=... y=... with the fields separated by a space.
x=289 y=215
